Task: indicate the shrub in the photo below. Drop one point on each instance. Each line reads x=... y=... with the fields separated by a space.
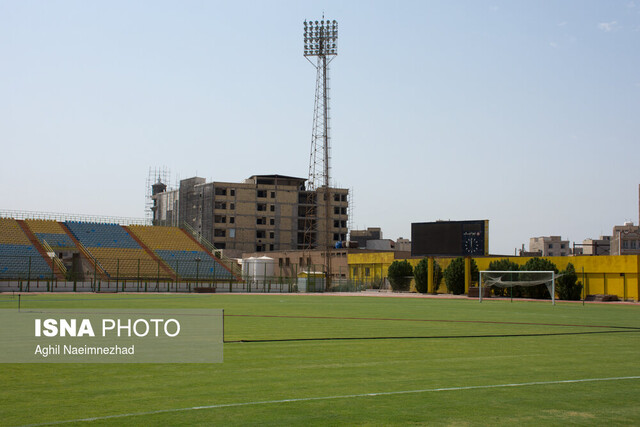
x=504 y=265
x=421 y=275
x=540 y=291
x=376 y=283
x=567 y=285
x=400 y=274
x=454 y=275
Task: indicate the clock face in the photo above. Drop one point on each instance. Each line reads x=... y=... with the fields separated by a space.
x=472 y=243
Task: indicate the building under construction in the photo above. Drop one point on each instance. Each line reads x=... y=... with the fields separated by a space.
x=263 y=213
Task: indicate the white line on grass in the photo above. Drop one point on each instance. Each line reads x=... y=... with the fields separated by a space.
x=347 y=396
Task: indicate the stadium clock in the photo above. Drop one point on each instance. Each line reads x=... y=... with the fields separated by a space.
x=472 y=245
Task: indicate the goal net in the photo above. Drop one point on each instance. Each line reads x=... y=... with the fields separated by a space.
x=511 y=279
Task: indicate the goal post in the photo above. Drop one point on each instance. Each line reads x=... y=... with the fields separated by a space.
x=510 y=279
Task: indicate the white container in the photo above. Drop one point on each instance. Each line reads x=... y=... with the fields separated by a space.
x=258 y=269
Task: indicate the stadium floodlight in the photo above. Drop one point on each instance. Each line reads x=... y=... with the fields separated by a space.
x=510 y=279
x=320 y=38
x=321 y=41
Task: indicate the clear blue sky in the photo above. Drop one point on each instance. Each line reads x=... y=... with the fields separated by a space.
x=526 y=113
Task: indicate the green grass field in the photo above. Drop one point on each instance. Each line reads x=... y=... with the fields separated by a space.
x=350 y=360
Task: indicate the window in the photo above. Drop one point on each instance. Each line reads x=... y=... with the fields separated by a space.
x=336 y=236
x=344 y=197
x=272 y=208
x=336 y=197
x=219 y=219
x=336 y=210
x=343 y=224
x=272 y=221
x=271 y=247
x=343 y=211
x=367 y=271
x=260 y=234
x=273 y=194
x=232 y=232
x=261 y=207
x=301 y=261
x=232 y=192
x=219 y=233
x=219 y=191
x=287 y=262
x=262 y=193
x=232 y=219
x=220 y=205
x=232 y=206
x=261 y=221
x=336 y=223
x=271 y=234
x=280 y=262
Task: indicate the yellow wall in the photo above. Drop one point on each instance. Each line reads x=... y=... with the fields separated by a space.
x=614 y=275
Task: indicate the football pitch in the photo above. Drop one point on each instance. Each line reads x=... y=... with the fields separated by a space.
x=352 y=360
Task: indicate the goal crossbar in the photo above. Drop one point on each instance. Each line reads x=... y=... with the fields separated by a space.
x=493 y=281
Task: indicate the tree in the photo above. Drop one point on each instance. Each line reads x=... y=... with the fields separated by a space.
x=504 y=265
x=421 y=274
x=400 y=274
x=567 y=285
x=537 y=264
x=454 y=275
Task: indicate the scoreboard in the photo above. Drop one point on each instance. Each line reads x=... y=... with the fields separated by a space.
x=456 y=238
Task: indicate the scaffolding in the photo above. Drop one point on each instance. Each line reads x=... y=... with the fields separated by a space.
x=156 y=175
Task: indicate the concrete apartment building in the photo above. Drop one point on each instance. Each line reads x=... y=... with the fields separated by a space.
x=625 y=239
x=371 y=239
x=599 y=246
x=291 y=263
x=362 y=236
x=263 y=213
x=549 y=246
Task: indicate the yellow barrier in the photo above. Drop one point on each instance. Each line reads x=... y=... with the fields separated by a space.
x=605 y=274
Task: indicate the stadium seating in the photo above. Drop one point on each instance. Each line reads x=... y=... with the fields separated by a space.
x=133 y=252
x=164 y=238
x=119 y=255
x=93 y=235
x=194 y=264
x=180 y=252
x=11 y=233
x=52 y=233
x=19 y=259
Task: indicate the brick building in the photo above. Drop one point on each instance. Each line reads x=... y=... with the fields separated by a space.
x=263 y=213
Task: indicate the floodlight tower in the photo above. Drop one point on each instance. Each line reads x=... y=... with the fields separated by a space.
x=320 y=40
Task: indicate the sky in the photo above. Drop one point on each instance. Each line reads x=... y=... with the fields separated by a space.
x=525 y=113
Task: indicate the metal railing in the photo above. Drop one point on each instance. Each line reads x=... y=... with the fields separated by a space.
x=62 y=217
x=144 y=275
x=231 y=264
x=57 y=261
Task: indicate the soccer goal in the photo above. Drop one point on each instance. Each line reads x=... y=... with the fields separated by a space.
x=510 y=279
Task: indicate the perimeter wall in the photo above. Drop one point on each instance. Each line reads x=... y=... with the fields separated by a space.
x=613 y=275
